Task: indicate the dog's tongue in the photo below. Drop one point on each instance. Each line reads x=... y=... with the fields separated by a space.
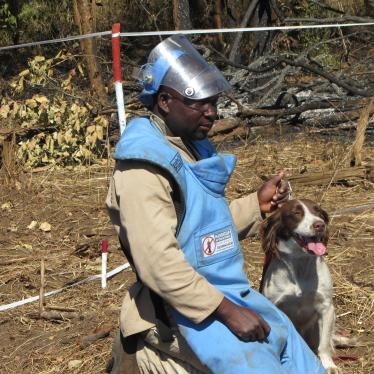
x=317 y=248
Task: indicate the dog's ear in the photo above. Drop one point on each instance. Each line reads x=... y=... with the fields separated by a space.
x=325 y=216
x=325 y=238
x=269 y=233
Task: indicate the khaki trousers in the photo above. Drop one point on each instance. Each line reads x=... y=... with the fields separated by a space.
x=154 y=355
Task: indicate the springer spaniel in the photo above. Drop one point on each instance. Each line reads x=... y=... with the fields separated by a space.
x=296 y=277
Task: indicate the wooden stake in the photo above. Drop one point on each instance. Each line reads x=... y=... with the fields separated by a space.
x=356 y=158
x=42 y=285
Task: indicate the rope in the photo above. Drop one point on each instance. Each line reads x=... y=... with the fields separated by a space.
x=185 y=32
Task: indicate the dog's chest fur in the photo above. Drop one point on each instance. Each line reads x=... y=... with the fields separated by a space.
x=298 y=283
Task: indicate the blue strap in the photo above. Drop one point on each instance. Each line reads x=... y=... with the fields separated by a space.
x=157 y=71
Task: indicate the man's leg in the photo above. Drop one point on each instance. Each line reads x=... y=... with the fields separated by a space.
x=123 y=356
x=157 y=356
x=148 y=354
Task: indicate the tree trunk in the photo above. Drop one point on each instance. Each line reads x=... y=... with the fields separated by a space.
x=83 y=17
x=234 y=53
x=262 y=19
x=369 y=8
x=181 y=15
x=218 y=24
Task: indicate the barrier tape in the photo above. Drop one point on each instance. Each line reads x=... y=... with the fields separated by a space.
x=59 y=40
x=54 y=292
x=242 y=29
x=185 y=32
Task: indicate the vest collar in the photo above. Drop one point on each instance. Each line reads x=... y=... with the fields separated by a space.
x=214 y=172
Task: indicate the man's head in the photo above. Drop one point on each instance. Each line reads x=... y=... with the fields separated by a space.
x=182 y=88
x=186 y=118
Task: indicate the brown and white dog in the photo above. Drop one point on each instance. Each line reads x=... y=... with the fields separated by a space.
x=296 y=277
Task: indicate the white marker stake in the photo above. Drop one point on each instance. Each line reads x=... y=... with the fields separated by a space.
x=104 y=260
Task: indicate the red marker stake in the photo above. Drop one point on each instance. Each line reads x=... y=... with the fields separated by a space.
x=116 y=53
x=104 y=260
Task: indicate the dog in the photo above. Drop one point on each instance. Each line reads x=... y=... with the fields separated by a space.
x=296 y=277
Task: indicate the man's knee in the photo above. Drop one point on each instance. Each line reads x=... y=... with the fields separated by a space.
x=123 y=359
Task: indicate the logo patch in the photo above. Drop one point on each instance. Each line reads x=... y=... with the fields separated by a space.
x=176 y=162
x=218 y=242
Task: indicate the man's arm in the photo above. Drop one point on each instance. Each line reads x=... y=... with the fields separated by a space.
x=246 y=214
x=249 y=211
x=143 y=195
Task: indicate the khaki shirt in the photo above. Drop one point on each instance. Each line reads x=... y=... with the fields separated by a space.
x=142 y=206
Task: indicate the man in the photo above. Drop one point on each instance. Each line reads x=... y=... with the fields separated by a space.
x=192 y=309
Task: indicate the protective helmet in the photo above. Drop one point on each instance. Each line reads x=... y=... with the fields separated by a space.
x=175 y=63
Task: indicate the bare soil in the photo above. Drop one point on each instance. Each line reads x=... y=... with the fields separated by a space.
x=72 y=202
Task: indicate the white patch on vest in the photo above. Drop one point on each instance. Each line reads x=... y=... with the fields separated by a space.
x=217 y=242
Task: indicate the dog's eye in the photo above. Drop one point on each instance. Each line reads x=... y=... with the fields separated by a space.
x=318 y=210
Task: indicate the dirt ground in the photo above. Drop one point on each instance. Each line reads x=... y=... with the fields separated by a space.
x=72 y=202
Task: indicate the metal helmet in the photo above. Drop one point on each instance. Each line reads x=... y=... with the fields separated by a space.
x=175 y=63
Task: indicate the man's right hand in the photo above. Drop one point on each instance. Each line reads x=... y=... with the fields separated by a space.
x=243 y=322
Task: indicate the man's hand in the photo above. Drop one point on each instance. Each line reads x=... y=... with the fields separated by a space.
x=273 y=193
x=244 y=323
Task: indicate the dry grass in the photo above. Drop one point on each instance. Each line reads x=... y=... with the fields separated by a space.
x=72 y=201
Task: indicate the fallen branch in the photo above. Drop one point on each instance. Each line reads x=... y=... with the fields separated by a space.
x=99 y=334
x=224 y=126
x=333 y=119
x=339 y=177
x=54 y=315
x=348 y=87
x=323 y=104
x=244 y=67
x=328 y=7
x=330 y=20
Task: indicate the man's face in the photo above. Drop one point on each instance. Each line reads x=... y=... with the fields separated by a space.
x=188 y=119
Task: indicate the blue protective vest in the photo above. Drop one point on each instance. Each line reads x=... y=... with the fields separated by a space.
x=209 y=240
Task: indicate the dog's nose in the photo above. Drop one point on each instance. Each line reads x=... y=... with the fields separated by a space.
x=319 y=226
